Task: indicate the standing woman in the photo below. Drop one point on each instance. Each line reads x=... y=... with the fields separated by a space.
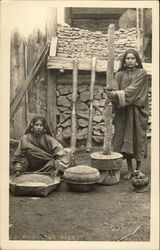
x=131 y=110
x=38 y=151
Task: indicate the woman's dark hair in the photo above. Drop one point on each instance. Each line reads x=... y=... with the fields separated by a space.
x=34 y=120
x=135 y=53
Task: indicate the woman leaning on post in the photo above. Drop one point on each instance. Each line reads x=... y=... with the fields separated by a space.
x=131 y=107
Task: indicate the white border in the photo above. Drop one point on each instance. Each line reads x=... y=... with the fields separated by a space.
x=4 y=132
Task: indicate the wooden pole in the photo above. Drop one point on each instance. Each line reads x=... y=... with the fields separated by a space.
x=90 y=124
x=51 y=84
x=26 y=94
x=140 y=33
x=74 y=99
x=109 y=85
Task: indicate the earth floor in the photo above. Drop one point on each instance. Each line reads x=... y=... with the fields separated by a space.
x=106 y=214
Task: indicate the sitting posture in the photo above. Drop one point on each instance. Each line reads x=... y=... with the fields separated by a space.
x=38 y=151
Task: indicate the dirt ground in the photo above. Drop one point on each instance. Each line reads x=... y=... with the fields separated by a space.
x=105 y=214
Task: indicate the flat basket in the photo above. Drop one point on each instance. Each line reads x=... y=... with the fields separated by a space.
x=27 y=185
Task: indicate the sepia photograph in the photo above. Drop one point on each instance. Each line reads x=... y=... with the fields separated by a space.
x=79 y=125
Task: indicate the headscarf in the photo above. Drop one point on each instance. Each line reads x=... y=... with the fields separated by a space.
x=34 y=120
x=135 y=53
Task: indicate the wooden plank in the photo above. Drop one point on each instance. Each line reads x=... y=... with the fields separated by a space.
x=53 y=46
x=74 y=99
x=95 y=16
x=51 y=80
x=109 y=85
x=84 y=77
x=140 y=27
x=51 y=24
x=35 y=44
x=51 y=101
x=17 y=77
x=85 y=64
x=90 y=122
x=28 y=80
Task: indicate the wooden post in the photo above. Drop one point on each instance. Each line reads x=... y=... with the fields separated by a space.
x=26 y=94
x=140 y=32
x=67 y=15
x=17 y=77
x=74 y=99
x=109 y=84
x=51 y=84
x=90 y=123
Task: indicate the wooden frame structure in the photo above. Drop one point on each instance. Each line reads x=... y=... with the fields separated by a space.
x=60 y=63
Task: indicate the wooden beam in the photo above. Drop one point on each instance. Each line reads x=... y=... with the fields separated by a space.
x=53 y=47
x=140 y=28
x=85 y=64
x=28 y=80
x=109 y=85
x=51 y=80
x=91 y=110
x=51 y=101
x=95 y=16
x=74 y=99
x=51 y=24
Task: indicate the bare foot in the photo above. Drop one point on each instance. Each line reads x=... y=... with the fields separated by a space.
x=128 y=176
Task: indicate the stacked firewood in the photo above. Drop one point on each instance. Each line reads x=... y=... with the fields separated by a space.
x=76 y=42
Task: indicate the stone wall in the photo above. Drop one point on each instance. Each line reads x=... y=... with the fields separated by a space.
x=64 y=105
x=76 y=42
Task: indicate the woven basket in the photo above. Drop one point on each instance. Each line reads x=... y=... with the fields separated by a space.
x=82 y=178
x=34 y=185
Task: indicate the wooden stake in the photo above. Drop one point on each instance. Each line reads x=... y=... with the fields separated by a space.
x=74 y=99
x=90 y=124
x=109 y=84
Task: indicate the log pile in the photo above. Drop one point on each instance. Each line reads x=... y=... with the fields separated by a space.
x=76 y=42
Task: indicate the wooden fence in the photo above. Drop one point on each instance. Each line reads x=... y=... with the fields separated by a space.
x=23 y=56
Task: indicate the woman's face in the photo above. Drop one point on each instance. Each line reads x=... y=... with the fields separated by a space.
x=130 y=60
x=38 y=127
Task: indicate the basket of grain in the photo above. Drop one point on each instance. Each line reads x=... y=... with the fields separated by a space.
x=33 y=185
x=82 y=178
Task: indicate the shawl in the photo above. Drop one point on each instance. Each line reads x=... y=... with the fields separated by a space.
x=131 y=113
x=39 y=150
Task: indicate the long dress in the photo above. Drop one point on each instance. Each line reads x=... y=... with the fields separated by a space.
x=131 y=113
x=42 y=153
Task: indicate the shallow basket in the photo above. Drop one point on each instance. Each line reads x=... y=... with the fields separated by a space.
x=27 y=185
x=81 y=187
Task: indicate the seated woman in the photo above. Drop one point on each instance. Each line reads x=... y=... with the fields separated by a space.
x=38 y=151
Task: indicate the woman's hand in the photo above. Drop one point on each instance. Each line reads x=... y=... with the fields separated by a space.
x=112 y=96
